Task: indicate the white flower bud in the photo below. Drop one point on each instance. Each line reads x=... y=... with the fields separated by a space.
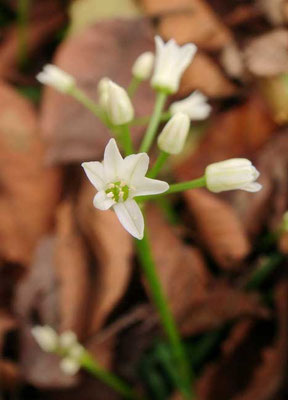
x=195 y=106
x=174 y=134
x=69 y=366
x=142 y=67
x=102 y=90
x=171 y=61
x=67 y=340
x=235 y=173
x=55 y=77
x=119 y=107
x=46 y=337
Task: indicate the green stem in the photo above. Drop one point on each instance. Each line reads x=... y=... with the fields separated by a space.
x=132 y=88
x=111 y=380
x=154 y=122
x=126 y=139
x=80 y=96
x=144 y=120
x=182 y=186
x=166 y=317
x=162 y=158
x=23 y=20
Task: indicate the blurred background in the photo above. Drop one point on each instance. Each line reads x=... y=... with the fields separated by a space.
x=222 y=259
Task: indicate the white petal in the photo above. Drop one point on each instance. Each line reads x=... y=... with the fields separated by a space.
x=130 y=216
x=150 y=186
x=252 y=187
x=112 y=161
x=134 y=168
x=102 y=202
x=95 y=173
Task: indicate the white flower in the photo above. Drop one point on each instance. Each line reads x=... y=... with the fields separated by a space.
x=174 y=134
x=195 y=106
x=67 y=340
x=46 y=337
x=236 y=173
x=118 y=105
x=118 y=180
x=142 y=67
x=55 y=77
x=171 y=61
x=71 y=363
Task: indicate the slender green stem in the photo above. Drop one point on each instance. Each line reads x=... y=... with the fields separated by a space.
x=126 y=139
x=23 y=20
x=161 y=159
x=154 y=122
x=144 y=120
x=166 y=317
x=88 y=103
x=182 y=186
x=111 y=380
x=132 y=88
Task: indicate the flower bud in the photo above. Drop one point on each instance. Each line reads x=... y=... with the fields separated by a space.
x=119 y=107
x=235 y=173
x=174 y=134
x=46 y=338
x=142 y=67
x=195 y=106
x=67 y=340
x=56 y=78
x=69 y=366
x=102 y=90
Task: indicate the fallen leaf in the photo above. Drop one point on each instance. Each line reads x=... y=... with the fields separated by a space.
x=112 y=247
x=29 y=189
x=219 y=228
x=105 y=49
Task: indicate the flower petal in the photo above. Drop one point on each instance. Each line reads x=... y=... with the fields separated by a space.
x=134 y=168
x=130 y=216
x=102 y=202
x=95 y=173
x=112 y=161
x=150 y=186
x=252 y=187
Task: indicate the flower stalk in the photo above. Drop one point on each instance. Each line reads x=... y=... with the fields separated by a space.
x=23 y=20
x=166 y=317
x=133 y=86
x=182 y=186
x=126 y=139
x=161 y=160
x=154 y=121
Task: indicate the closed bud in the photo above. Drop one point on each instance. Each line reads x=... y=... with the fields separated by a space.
x=235 y=173
x=69 y=366
x=67 y=340
x=102 y=90
x=142 y=68
x=119 y=107
x=46 y=338
x=56 y=78
x=173 y=136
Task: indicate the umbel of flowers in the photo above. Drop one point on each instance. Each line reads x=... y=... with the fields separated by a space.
x=122 y=181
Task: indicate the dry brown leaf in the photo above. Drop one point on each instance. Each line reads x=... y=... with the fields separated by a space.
x=204 y=74
x=104 y=49
x=181 y=268
x=219 y=227
x=10 y=376
x=71 y=269
x=267 y=206
x=273 y=10
x=221 y=304
x=198 y=25
x=112 y=247
x=267 y=55
x=46 y=18
x=7 y=323
x=29 y=190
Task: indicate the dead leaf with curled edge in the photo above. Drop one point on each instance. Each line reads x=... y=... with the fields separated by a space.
x=29 y=190
x=102 y=50
x=112 y=248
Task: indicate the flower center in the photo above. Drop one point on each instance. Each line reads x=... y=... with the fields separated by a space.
x=117 y=191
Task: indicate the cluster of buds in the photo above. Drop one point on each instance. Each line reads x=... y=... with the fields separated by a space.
x=65 y=345
x=118 y=181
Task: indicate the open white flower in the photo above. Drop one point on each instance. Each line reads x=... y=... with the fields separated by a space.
x=235 y=173
x=171 y=61
x=57 y=78
x=46 y=337
x=118 y=180
x=195 y=106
